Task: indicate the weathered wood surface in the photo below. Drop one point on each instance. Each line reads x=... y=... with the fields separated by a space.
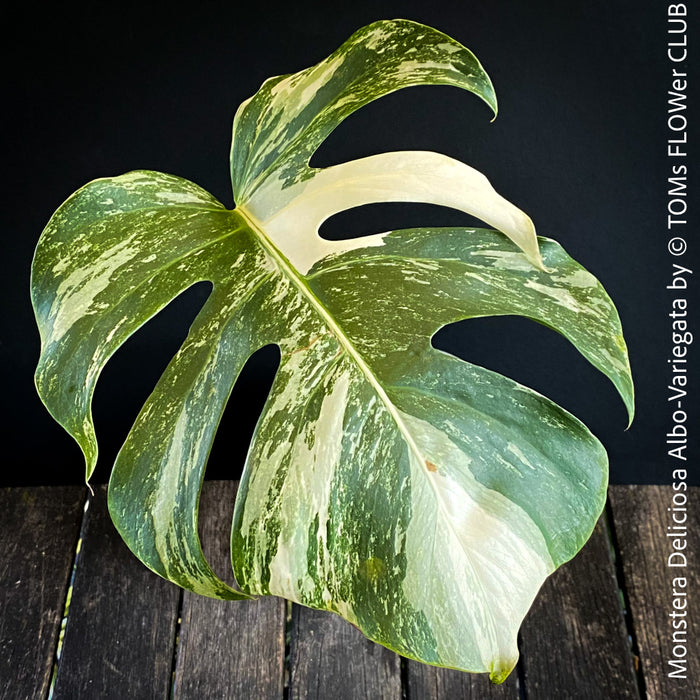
x=641 y=518
x=228 y=649
x=120 y=632
x=122 y=637
x=331 y=659
x=38 y=532
x=574 y=641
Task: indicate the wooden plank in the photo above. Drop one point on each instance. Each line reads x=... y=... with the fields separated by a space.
x=330 y=659
x=120 y=631
x=574 y=642
x=228 y=649
x=432 y=683
x=641 y=518
x=38 y=533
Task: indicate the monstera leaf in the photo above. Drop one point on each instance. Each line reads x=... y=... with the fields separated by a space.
x=422 y=498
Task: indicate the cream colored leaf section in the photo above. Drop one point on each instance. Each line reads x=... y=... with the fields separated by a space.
x=290 y=216
x=486 y=556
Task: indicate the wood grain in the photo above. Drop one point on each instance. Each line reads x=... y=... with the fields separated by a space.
x=122 y=622
x=331 y=660
x=120 y=632
x=574 y=642
x=38 y=533
x=228 y=649
x=641 y=518
x=432 y=683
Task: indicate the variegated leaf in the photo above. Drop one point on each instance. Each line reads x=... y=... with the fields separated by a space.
x=276 y=132
x=420 y=497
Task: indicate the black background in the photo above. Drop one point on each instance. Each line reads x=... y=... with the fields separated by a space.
x=579 y=144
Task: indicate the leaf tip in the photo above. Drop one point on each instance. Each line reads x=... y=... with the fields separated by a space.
x=536 y=260
x=489 y=93
x=493 y=103
x=77 y=424
x=531 y=247
x=629 y=405
x=520 y=228
x=624 y=382
x=500 y=673
x=88 y=445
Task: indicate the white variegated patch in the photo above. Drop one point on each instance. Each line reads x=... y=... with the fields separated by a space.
x=291 y=216
x=475 y=542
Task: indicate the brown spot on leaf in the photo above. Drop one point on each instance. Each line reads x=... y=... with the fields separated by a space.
x=431 y=466
x=306 y=347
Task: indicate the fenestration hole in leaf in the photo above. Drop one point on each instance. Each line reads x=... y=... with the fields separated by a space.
x=132 y=373
x=392 y=216
x=242 y=413
x=420 y=118
x=533 y=355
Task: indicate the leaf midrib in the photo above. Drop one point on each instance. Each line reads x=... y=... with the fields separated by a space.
x=300 y=284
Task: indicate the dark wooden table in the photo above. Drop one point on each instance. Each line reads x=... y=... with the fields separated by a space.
x=599 y=629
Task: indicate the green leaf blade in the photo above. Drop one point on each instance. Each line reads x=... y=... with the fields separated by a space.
x=109 y=259
x=515 y=442
x=441 y=432
x=157 y=478
x=346 y=517
x=428 y=278
x=277 y=131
